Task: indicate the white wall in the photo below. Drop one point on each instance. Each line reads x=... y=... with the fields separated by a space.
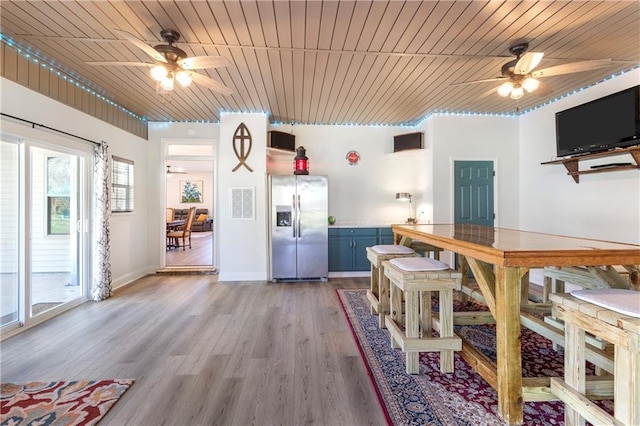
x=129 y=256
x=602 y=206
x=364 y=193
x=244 y=241
x=476 y=138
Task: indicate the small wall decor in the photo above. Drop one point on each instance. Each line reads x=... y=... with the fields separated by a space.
x=191 y=191
x=353 y=157
x=241 y=149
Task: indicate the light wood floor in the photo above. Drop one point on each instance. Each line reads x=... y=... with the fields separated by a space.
x=200 y=253
x=204 y=352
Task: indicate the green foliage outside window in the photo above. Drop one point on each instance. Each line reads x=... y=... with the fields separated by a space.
x=58 y=196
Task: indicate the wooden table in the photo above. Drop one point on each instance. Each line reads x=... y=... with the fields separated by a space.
x=500 y=260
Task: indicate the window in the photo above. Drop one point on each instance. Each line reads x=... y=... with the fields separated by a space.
x=121 y=185
x=58 y=195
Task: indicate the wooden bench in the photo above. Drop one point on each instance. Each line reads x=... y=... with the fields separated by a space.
x=378 y=293
x=623 y=331
x=411 y=278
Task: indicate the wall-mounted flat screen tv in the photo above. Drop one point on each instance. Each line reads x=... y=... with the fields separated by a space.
x=407 y=141
x=606 y=123
x=281 y=140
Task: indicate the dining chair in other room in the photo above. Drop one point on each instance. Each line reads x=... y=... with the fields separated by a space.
x=183 y=232
x=169 y=214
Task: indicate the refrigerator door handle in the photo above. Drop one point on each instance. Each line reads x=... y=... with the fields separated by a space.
x=298 y=214
x=295 y=215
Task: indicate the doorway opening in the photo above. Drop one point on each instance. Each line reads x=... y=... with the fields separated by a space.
x=189 y=185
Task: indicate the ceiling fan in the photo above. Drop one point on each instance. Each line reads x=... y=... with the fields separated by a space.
x=170 y=172
x=519 y=74
x=172 y=64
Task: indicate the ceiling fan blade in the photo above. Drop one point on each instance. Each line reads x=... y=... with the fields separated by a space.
x=153 y=53
x=172 y=172
x=211 y=84
x=486 y=80
x=527 y=63
x=543 y=90
x=200 y=62
x=572 y=67
x=126 y=64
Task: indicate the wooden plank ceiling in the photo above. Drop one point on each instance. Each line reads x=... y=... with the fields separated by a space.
x=365 y=62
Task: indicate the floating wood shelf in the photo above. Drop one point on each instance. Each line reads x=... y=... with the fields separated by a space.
x=280 y=154
x=572 y=164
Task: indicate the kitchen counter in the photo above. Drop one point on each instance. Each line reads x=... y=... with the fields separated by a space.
x=363 y=224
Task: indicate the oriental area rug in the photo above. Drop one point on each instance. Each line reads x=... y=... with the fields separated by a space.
x=435 y=398
x=78 y=402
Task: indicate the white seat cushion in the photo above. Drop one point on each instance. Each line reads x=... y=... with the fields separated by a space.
x=625 y=302
x=415 y=264
x=392 y=249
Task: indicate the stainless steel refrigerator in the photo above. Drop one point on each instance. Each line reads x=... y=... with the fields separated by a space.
x=299 y=234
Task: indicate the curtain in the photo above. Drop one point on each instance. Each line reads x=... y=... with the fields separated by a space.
x=101 y=283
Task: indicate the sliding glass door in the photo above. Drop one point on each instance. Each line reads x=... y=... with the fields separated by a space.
x=55 y=228
x=9 y=232
x=44 y=210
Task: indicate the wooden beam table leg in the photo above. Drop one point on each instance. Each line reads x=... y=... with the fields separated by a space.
x=574 y=365
x=446 y=328
x=383 y=296
x=626 y=396
x=524 y=285
x=395 y=297
x=508 y=344
x=463 y=268
x=425 y=314
x=374 y=286
x=412 y=328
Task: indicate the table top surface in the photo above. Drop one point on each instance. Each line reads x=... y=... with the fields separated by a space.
x=511 y=247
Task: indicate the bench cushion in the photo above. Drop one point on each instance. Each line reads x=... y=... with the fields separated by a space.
x=414 y=264
x=625 y=302
x=392 y=249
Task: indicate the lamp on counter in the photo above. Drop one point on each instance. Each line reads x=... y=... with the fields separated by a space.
x=405 y=196
x=301 y=162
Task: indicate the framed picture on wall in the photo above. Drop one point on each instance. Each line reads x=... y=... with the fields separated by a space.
x=191 y=191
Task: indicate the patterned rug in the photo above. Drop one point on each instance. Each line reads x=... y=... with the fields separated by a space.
x=79 y=402
x=435 y=398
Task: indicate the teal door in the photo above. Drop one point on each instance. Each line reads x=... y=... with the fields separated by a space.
x=473 y=192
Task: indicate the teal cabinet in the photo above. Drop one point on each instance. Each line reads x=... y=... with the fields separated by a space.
x=360 y=244
x=340 y=253
x=348 y=248
x=385 y=236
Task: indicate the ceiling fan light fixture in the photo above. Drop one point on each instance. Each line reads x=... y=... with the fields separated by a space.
x=158 y=73
x=167 y=82
x=517 y=92
x=184 y=79
x=530 y=84
x=505 y=89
